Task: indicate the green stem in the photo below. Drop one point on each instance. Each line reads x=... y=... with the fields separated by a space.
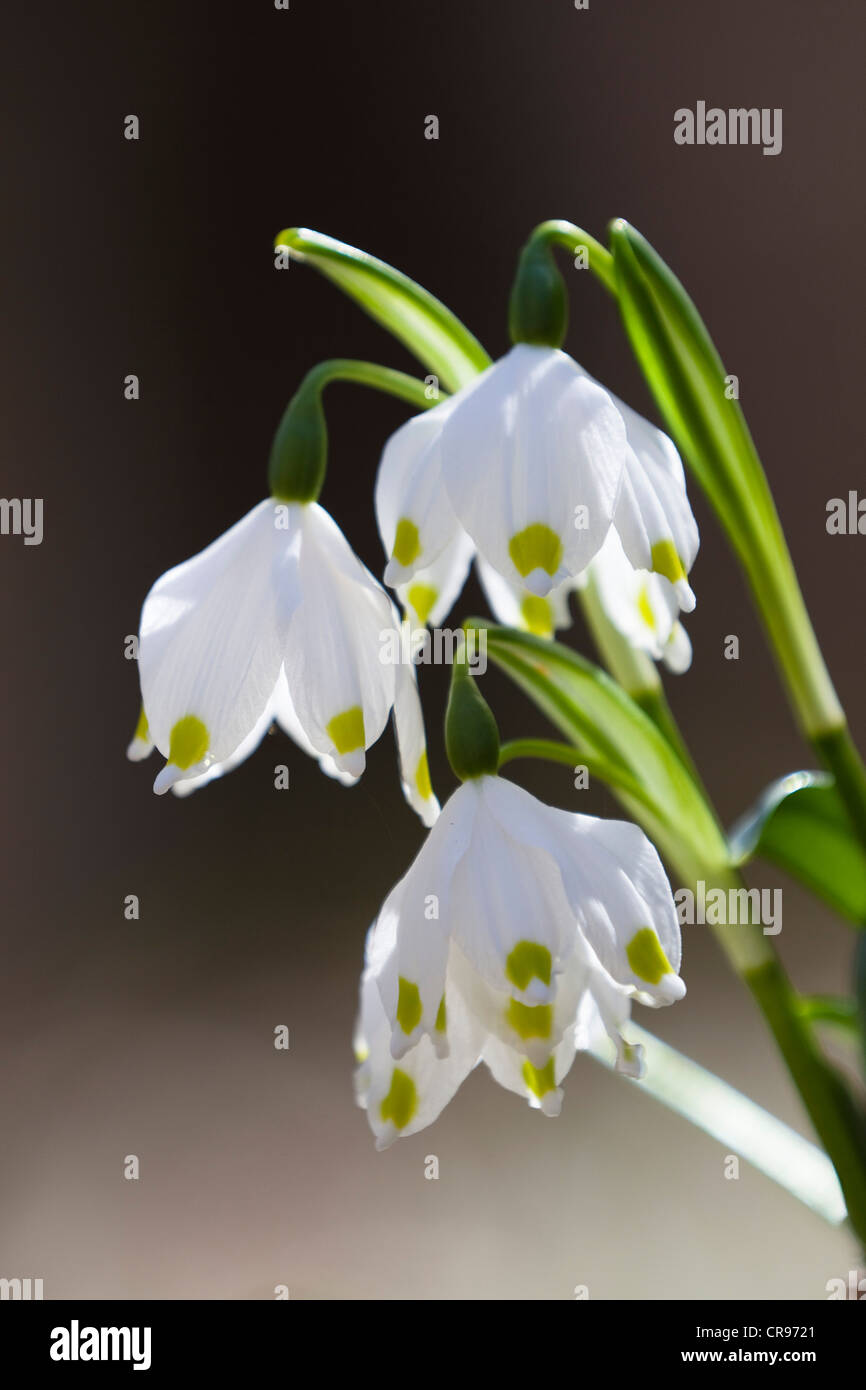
x=557 y=232
x=554 y=752
x=831 y=1108
x=839 y=754
x=299 y=455
x=393 y=383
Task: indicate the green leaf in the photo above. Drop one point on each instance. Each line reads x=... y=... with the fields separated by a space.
x=425 y=325
x=740 y=1125
x=686 y=375
x=800 y=823
x=600 y=719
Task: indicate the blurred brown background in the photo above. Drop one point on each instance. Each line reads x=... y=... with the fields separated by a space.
x=155 y=1037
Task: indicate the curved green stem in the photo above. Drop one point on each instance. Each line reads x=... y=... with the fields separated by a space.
x=557 y=232
x=299 y=455
x=554 y=752
x=393 y=383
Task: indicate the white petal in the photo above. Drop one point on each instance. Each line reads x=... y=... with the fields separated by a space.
x=141 y=743
x=212 y=634
x=677 y=653
x=508 y=912
x=412 y=745
x=416 y=521
x=341 y=689
x=430 y=594
x=604 y=1009
x=642 y=606
x=515 y=606
x=532 y=1032
x=284 y=713
x=539 y=1085
x=532 y=459
x=653 y=516
x=405 y=1096
x=183 y=786
x=408 y=947
x=622 y=900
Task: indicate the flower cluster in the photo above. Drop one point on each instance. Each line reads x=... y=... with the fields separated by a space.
x=520 y=932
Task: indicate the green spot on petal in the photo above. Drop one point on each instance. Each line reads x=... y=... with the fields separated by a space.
x=408 y=1006
x=422 y=597
x=401 y=1101
x=529 y=1022
x=142 y=730
x=539 y=1080
x=346 y=730
x=535 y=548
x=645 y=607
x=646 y=957
x=527 y=959
x=422 y=778
x=666 y=561
x=407 y=546
x=441 y=1017
x=537 y=614
x=189 y=742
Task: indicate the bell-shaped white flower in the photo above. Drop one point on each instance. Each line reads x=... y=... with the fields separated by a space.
x=517 y=928
x=278 y=619
x=532 y=466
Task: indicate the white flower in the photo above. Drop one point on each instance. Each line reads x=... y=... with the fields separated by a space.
x=276 y=620
x=530 y=466
x=517 y=928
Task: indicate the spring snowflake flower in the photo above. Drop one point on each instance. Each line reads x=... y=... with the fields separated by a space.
x=529 y=466
x=516 y=933
x=277 y=620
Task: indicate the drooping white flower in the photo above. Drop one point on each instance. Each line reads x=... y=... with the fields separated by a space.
x=517 y=928
x=530 y=466
x=276 y=620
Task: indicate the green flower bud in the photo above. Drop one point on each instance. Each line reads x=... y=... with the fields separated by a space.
x=538 y=308
x=471 y=732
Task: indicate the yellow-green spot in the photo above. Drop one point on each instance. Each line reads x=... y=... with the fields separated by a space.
x=539 y=1080
x=189 y=742
x=537 y=615
x=142 y=730
x=346 y=730
x=666 y=561
x=422 y=598
x=422 y=778
x=528 y=958
x=535 y=548
x=441 y=1016
x=401 y=1101
x=646 y=957
x=645 y=607
x=408 y=1006
x=529 y=1022
x=407 y=545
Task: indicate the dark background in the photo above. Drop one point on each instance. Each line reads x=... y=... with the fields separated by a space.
x=155 y=1037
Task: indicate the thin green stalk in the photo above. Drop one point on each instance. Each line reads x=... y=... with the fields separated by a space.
x=552 y=751
x=393 y=383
